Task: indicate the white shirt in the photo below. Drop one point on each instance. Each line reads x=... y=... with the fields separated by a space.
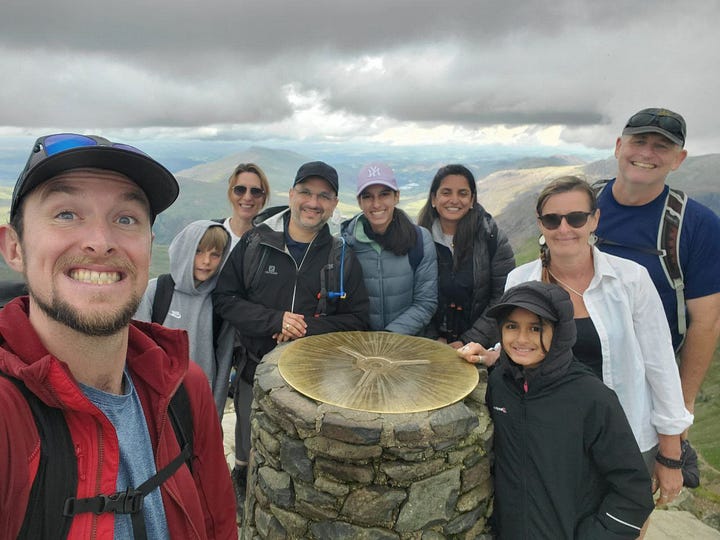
x=234 y=238
x=638 y=358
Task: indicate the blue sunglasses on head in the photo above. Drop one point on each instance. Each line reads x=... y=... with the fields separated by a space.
x=61 y=142
x=53 y=154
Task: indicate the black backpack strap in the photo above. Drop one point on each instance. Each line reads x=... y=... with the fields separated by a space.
x=492 y=236
x=130 y=501
x=253 y=260
x=416 y=252
x=56 y=474
x=163 y=296
x=181 y=418
x=332 y=275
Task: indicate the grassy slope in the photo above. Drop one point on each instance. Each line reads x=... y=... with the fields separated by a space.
x=705 y=436
x=704 y=432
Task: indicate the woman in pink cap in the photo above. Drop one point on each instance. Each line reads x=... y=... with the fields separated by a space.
x=397 y=257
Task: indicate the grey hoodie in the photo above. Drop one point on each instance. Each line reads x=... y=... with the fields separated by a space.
x=191 y=308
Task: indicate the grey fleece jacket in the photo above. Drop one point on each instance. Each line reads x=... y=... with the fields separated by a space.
x=191 y=309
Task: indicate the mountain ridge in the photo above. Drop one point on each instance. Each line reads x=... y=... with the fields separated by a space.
x=508 y=188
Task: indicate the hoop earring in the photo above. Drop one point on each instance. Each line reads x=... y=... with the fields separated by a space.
x=541 y=240
x=592 y=239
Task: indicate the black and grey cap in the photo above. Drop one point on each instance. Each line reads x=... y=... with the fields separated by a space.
x=655 y=120
x=54 y=154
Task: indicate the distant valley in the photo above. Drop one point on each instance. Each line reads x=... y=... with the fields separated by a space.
x=507 y=188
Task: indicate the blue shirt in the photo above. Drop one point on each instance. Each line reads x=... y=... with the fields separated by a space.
x=296 y=249
x=639 y=225
x=137 y=462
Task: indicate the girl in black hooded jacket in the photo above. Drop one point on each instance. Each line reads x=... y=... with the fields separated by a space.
x=566 y=462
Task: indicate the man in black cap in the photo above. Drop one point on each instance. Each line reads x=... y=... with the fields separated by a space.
x=288 y=278
x=88 y=449
x=632 y=222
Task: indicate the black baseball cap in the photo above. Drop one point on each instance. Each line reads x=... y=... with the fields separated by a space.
x=534 y=296
x=654 y=120
x=54 y=154
x=319 y=169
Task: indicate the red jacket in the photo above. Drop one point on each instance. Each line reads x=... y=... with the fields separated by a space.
x=198 y=505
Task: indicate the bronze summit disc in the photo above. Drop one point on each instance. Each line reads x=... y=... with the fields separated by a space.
x=377 y=371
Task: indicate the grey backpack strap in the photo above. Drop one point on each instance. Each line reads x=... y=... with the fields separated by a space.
x=668 y=243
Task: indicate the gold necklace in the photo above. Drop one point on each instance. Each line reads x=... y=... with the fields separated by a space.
x=561 y=282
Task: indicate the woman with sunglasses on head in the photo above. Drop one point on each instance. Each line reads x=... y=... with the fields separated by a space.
x=391 y=248
x=622 y=333
x=474 y=258
x=248 y=192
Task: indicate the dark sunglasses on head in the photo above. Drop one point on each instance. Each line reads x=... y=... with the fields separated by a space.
x=255 y=192
x=574 y=219
x=54 y=144
x=668 y=123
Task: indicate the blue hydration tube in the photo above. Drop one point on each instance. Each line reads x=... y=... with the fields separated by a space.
x=340 y=294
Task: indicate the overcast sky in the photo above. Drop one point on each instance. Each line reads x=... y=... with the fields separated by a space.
x=395 y=72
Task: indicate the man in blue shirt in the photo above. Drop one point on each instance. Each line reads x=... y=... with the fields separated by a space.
x=632 y=204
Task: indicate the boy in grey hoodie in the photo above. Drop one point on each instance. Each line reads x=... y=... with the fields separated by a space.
x=196 y=255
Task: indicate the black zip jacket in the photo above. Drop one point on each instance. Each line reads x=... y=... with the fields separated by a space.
x=257 y=311
x=566 y=462
x=491 y=262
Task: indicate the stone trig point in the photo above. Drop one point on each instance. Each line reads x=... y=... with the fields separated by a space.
x=321 y=470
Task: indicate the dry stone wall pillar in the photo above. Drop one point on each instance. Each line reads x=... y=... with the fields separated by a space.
x=320 y=471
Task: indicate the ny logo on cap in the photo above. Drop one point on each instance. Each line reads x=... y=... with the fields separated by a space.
x=373 y=171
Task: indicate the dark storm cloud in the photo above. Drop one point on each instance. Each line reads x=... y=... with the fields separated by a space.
x=189 y=64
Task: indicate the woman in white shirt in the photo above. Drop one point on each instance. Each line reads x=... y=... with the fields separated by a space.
x=622 y=332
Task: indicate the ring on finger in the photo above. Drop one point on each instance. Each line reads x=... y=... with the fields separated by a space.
x=287 y=325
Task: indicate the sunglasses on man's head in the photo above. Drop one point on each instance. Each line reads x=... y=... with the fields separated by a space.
x=668 y=123
x=574 y=219
x=61 y=142
x=255 y=192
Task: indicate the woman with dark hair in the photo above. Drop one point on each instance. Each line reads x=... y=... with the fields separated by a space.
x=248 y=192
x=390 y=248
x=474 y=258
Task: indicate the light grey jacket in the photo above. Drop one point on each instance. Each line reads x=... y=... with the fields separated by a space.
x=191 y=309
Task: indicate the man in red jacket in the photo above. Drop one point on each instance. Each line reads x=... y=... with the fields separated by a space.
x=80 y=233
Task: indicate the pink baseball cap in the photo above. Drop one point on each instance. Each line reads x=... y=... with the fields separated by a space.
x=376 y=173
